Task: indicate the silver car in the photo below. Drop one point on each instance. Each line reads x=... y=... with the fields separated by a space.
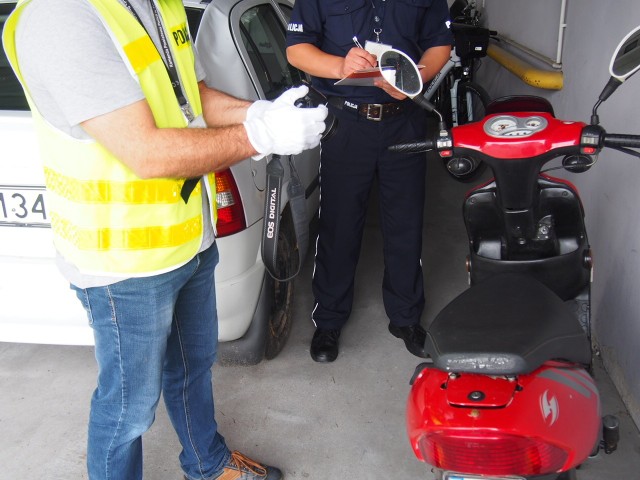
x=242 y=46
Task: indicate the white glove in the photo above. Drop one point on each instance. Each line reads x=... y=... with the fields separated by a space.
x=280 y=127
x=257 y=108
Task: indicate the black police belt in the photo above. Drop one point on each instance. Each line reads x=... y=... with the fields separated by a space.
x=371 y=111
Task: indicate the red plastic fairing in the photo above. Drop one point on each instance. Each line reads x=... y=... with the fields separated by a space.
x=548 y=421
x=557 y=134
x=543 y=175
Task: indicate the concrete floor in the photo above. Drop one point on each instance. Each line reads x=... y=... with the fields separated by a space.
x=342 y=420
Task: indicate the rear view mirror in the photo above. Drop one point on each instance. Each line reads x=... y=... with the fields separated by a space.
x=624 y=63
x=626 y=59
x=403 y=74
x=399 y=70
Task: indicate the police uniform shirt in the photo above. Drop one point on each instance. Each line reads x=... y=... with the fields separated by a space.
x=411 y=26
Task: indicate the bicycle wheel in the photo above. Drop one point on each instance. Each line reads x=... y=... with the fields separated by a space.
x=472 y=102
x=442 y=100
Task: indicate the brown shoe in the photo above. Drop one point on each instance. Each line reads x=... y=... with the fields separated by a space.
x=241 y=467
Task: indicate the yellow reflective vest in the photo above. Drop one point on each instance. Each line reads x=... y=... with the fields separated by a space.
x=105 y=219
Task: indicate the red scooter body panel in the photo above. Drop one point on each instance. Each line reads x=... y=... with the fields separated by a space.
x=557 y=134
x=557 y=404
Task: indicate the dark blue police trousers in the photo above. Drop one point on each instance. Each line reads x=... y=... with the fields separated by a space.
x=352 y=159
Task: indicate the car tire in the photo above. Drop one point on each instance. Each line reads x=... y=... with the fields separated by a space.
x=281 y=315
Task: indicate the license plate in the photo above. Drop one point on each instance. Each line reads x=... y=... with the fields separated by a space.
x=23 y=206
x=464 y=476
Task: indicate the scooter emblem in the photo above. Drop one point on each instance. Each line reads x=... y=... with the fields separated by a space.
x=549 y=407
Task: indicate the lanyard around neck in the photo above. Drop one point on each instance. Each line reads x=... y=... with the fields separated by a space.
x=190 y=183
x=378 y=17
x=169 y=64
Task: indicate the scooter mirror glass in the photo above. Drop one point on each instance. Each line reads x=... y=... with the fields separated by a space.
x=626 y=59
x=400 y=71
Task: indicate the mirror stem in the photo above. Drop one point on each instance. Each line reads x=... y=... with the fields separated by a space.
x=429 y=107
x=595 y=120
x=609 y=88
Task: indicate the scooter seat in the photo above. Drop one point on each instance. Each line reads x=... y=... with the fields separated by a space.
x=506 y=325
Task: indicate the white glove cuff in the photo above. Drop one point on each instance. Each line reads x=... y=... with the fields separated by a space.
x=257 y=109
x=258 y=137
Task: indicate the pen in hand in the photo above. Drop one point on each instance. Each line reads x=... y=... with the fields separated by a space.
x=355 y=40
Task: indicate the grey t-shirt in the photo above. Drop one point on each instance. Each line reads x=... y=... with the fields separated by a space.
x=75 y=73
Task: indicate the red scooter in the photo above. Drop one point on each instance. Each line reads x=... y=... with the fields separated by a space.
x=509 y=393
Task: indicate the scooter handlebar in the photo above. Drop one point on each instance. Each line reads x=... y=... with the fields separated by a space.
x=413 y=147
x=621 y=140
x=608 y=140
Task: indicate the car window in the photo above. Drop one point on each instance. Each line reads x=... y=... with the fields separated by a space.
x=264 y=36
x=286 y=10
x=11 y=94
x=194 y=16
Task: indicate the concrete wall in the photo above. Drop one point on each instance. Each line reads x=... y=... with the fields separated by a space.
x=611 y=189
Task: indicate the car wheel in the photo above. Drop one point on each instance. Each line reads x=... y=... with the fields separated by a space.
x=280 y=317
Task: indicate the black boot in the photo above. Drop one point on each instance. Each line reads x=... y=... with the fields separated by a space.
x=414 y=338
x=324 y=345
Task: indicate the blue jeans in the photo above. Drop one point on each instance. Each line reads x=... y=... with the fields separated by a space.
x=154 y=334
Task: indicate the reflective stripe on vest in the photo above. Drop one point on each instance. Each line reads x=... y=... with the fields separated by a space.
x=105 y=219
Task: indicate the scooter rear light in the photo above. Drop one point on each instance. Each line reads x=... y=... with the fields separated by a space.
x=490 y=453
x=230 y=211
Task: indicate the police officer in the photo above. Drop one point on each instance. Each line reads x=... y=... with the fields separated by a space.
x=330 y=39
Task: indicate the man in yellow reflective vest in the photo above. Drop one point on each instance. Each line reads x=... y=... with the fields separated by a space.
x=127 y=126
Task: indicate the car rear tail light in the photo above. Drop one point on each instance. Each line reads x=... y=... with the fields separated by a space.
x=490 y=453
x=230 y=212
